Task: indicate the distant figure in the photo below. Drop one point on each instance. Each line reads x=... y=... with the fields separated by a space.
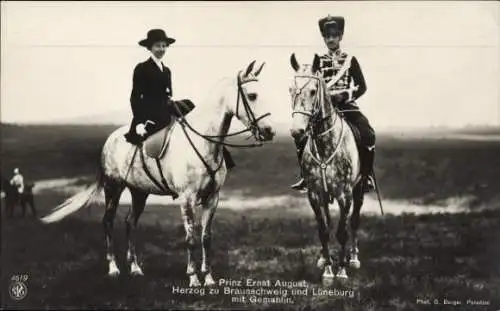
x=18 y=181
x=11 y=196
x=27 y=198
x=151 y=96
x=340 y=70
x=18 y=193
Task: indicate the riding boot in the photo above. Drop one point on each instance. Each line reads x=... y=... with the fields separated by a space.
x=300 y=144
x=228 y=159
x=367 y=169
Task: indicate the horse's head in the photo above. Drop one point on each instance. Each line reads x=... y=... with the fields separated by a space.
x=249 y=104
x=307 y=92
x=6 y=184
x=10 y=191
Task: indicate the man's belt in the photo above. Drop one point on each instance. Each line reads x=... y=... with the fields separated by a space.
x=349 y=92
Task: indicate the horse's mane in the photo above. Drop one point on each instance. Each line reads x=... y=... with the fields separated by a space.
x=324 y=93
x=212 y=91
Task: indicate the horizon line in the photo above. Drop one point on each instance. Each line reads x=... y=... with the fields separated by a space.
x=279 y=132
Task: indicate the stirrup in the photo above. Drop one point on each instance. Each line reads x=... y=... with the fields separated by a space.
x=369 y=184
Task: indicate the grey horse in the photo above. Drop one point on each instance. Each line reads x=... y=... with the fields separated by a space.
x=330 y=164
x=193 y=166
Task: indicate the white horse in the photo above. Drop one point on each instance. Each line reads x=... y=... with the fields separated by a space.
x=193 y=166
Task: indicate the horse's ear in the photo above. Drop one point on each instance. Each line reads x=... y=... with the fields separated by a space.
x=294 y=63
x=315 y=65
x=249 y=69
x=260 y=69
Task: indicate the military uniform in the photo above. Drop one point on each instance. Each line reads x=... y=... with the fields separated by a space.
x=349 y=87
x=345 y=84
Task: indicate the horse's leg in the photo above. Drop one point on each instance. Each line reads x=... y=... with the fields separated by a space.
x=12 y=207
x=9 y=209
x=23 y=206
x=32 y=205
x=31 y=202
x=138 y=202
x=329 y=224
x=18 y=205
x=344 y=201
x=187 y=210
x=328 y=218
x=209 y=208
x=358 y=203
x=112 y=193
x=324 y=261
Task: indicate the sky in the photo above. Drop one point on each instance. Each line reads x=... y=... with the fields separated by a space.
x=426 y=64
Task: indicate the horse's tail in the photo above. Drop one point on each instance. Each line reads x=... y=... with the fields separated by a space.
x=78 y=201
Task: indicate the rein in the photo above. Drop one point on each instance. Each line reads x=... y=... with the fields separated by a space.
x=320 y=99
x=250 y=116
x=211 y=138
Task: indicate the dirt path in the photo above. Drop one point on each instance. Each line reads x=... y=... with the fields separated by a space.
x=238 y=201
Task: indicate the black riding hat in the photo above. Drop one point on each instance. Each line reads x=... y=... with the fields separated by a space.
x=155 y=35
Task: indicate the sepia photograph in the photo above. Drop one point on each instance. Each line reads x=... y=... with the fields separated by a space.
x=247 y=155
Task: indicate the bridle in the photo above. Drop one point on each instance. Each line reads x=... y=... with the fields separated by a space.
x=253 y=127
x=318 y=105
x=213 y=138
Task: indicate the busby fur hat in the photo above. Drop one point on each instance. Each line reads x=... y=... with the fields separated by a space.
x=155 y=35
x=331 y=23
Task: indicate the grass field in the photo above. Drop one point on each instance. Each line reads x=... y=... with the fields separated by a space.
x=405 y=258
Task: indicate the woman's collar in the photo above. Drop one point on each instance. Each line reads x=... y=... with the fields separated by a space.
x=156 y=60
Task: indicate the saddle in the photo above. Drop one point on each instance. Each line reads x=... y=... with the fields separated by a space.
x=156 y=144
x=357 y=134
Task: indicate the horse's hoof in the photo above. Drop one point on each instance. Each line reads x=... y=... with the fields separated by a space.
x=327 y=281
x=135 y=270
x=136 y=274
x=114 y=274
x=113 y=271
x=328 y=276
x=209 y=280
x=356 y=264
x=193 y=281
x=341 y=274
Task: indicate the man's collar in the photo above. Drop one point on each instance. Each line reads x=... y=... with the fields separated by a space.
x=336 y=52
